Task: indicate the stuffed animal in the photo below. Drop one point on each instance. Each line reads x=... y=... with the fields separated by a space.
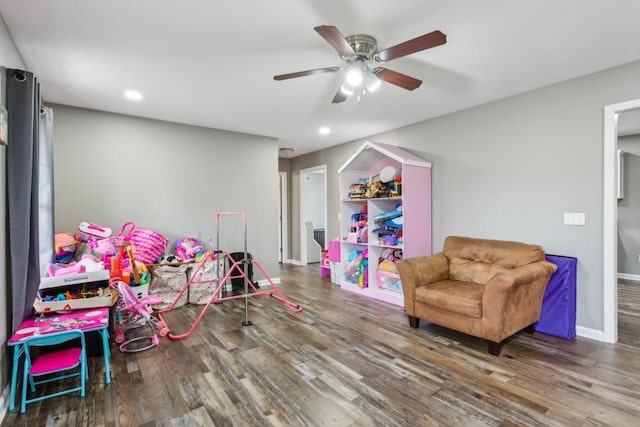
x=65 y=247
x=168 y=259
x=372 y=189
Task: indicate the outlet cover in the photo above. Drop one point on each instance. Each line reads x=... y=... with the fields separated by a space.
x=574 y=218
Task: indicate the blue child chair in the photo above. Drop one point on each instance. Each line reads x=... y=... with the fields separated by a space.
x=55 y=365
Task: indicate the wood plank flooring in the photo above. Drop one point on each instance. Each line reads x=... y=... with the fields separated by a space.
x=349 y=361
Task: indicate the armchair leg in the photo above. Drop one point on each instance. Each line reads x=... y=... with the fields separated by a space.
x=414 y=322
x=494 y=348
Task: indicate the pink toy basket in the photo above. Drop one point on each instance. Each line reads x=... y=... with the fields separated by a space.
x=147 y=245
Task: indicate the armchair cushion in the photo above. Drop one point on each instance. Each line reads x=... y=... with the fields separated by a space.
x=464 y=298
x=478 y=260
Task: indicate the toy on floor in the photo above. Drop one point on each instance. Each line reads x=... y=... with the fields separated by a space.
x=133 y=313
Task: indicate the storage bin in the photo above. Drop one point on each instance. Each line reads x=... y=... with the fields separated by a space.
x=388 y=280
x=204 y=281
x=166 y=283
x=334 y=250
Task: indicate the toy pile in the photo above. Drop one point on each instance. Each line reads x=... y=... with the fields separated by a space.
x=357 y=268
x=359 y=230
x=389 y=226
x=387 y=184
x=387 y=274
x=91 y=249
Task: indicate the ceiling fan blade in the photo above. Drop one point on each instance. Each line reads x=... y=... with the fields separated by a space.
x=306 y=73
x=336 y=40
x=396 y=78
x=427 y=41
x=339 y=97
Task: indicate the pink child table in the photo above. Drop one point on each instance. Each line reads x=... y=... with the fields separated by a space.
x=92 y=319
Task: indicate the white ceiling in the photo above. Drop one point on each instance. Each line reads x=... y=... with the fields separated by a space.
x=211 y=63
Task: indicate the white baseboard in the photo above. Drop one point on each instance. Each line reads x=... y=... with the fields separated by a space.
x=593 y=334
x=295 y=262
x=627 y=276
x=265 y=282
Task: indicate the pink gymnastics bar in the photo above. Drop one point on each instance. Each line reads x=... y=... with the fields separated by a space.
x=274 y=292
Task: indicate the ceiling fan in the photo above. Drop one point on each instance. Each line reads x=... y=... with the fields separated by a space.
x=361 y=54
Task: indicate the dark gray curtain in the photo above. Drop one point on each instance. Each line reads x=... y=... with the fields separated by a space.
x=23 y=106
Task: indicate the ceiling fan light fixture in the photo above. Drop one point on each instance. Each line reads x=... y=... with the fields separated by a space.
x=371 y=82
x=355 y=74
x=346 y=90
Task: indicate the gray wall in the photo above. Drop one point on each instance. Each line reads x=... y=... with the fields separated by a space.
x=629 y=208
x=333 y=157
x=511 y=168
x=9 y=58
x=167 y=177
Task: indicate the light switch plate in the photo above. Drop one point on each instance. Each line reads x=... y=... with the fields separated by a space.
x=574 y=218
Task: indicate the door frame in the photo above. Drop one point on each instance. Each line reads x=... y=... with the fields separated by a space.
x=610 y=217
x=303 y=229
x=283 y=218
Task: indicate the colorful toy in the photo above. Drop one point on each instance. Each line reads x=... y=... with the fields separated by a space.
x=238 y=268
x=89 y=231
x=133 y=312
x=65 y=247
x=90 y=263
x=64 y=269
x=189 y=248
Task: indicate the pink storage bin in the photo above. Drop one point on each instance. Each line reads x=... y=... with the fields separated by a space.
x=334 y=250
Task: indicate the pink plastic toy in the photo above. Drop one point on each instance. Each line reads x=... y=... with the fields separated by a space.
x=134 y=312
x=64 y=269
x=189 y=248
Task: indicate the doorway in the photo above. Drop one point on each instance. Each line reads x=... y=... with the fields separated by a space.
x=313 y=212
x=610 y=217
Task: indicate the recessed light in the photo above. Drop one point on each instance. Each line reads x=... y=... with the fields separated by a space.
x=285 y=151
x=133 y=95
x=324 y=130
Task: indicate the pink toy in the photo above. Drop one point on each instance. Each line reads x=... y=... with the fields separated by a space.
x=88 y=231
x=147 y=245
x=189 y=248
x=64 y=269
x=134 y=312
x=65 y=247
x=237 y=269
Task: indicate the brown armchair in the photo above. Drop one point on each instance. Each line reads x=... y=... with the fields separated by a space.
x=490 y=289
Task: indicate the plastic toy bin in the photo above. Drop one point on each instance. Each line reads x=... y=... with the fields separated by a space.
x=389 y=280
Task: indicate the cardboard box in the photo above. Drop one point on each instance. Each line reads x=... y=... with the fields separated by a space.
x=53 y=286
x=74 y=304
x=74 y=279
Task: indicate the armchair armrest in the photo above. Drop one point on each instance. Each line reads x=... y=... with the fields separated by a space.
x=518 y=292
x=420 y=271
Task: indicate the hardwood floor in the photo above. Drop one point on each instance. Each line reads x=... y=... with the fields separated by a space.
x=349 y=361
x=629 y=312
